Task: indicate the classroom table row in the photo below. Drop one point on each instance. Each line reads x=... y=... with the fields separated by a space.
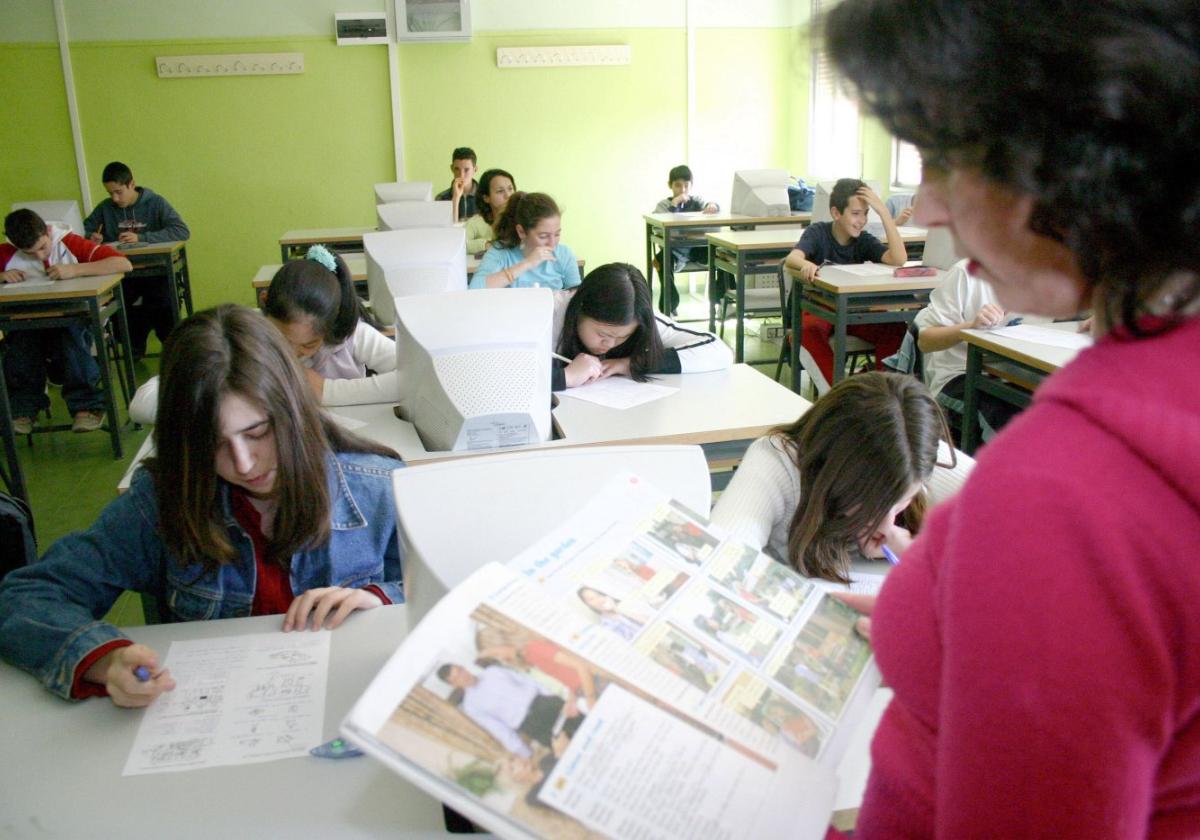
x=75 y=753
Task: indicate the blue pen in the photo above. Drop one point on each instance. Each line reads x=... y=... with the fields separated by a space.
x=337 y=748
x=142 y=673
x=890 y=555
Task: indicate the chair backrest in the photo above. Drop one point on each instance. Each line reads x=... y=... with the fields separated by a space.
x=457 y=515
x=16 y=534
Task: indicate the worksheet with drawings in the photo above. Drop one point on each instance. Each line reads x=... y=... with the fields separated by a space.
x=237 y=700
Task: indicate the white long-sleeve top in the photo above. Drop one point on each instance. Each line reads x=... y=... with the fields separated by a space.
x=371 y=349
x=761 y=499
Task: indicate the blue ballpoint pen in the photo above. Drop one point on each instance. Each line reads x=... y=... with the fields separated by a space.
x=890 y=555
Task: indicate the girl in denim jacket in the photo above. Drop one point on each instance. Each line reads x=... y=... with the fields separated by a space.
x=257 y=504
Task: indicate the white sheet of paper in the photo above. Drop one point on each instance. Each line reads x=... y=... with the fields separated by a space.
x=867 y=270
x=620 y=392
x=33 y=282
x=237 y=700
x=1046 y=335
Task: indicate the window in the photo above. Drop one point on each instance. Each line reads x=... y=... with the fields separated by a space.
x=906 y=165
x=833 y=135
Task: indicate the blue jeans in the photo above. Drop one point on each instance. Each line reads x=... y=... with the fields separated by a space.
x=25 y=369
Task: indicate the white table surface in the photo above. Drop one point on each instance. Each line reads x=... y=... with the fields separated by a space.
x=61 y=774
x=1043 y=357
x=726 y=405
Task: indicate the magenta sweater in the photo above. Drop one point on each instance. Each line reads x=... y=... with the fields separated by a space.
x=1043 y=634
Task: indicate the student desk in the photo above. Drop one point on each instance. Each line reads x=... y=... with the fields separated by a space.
x=10 y=473
x=92 y=300
x=680 y=230
x=162 y=259
x=722 y=411
x=357 y=263
x=294 y=243
x=1007 y=368
x=842 y=298
x=68 y=783
x=741 y=252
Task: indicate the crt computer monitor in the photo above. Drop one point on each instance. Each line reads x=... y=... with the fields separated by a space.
x=822 y=213
x=474 y=367
x=395 y=191
x=939 y=248
x=417 y=261
x=63 y=214
x=415 y=214
x=761 y=192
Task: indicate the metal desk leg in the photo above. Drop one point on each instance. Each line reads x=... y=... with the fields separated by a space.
x=712 y=288
x=283 y=253
x=173 y=282
x=14 y=477
x=114 y=424
x=970 y=421
x=797 y=332
x=185 y=280
x=127 y=352
x=839 y=340
x=650 y=258
x=668 y=273
x=739 y=352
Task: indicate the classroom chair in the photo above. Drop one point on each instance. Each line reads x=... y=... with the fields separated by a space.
x=455 y=516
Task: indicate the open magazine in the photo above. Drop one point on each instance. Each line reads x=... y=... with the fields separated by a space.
x=631 y=675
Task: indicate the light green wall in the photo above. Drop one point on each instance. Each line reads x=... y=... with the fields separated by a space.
x=38 y=157
x=241 y=158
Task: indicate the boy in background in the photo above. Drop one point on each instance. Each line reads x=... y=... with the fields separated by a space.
x=845 y=241
x=35 y=251
x=462 y=189
x=679 y=179
x=129 y=215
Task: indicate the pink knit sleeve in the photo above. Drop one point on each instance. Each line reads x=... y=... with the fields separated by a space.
x=1053 y=705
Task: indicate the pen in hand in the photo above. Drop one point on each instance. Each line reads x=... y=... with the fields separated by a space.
x=890 y=555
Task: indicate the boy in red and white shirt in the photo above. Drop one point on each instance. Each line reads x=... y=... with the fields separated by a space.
x=36 y=252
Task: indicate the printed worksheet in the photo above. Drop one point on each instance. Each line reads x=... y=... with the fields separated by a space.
x=1055 y=337
x=620 y=392
x=867 y=270
x=237 y=700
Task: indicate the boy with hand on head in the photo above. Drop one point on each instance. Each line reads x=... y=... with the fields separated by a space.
x=679 y=179
x=462 y=189
x=845 y=241
x=36 y=251
x=129 y=215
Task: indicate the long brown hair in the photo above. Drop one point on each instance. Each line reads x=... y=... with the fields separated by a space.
x=234 y=350
x=858 y=451
x=524 y=209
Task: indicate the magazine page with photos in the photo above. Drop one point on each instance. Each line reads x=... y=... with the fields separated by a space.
x=630 y=675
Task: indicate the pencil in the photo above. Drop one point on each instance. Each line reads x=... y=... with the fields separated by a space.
x=561 y=358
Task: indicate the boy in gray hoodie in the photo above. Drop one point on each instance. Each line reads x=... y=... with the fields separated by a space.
x=133 y=214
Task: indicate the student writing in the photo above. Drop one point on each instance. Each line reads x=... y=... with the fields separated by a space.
x=256 y=504
x=36 y=251
x=312 y=302
x=608 y=328
x=527 y=251
x=829 y=488
x=129 y=215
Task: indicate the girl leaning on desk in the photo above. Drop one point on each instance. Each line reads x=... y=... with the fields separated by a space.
x=1042 y=634
x=256 y=504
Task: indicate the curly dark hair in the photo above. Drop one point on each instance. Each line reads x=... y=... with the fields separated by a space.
x=1092 y=109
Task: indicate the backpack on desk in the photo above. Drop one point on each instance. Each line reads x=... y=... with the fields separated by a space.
x=16 y=534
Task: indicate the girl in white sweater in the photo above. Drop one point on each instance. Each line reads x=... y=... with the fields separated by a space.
x=856 y=472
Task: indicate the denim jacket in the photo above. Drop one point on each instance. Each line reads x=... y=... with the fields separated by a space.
x=50 y=611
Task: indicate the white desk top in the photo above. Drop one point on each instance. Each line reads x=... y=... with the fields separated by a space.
x=1044 y=357
x=314 y=236
x=722 y=218
x=839 y=281
x=144 y=249
x=67 y=781
x=357 y=263
x=735 y=404
x=77 y=287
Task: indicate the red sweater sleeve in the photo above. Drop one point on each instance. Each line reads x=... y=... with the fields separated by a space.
x=81 y=688
x=7 y=251
x=85 y=250
x=1049 y=712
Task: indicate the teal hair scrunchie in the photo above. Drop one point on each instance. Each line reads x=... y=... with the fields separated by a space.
x=321 y=254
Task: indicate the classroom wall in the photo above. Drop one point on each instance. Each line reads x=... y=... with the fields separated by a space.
x=245 y=158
